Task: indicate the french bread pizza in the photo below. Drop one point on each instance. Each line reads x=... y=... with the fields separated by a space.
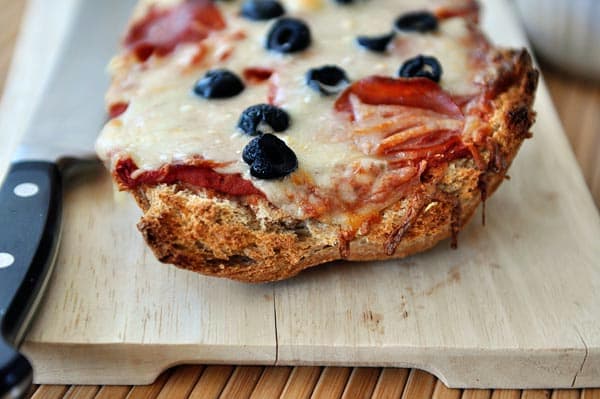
x=264 y=137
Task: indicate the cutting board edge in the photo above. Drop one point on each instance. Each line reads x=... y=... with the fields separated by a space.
x=138 y=364
x=465 y=368
x=141 y=364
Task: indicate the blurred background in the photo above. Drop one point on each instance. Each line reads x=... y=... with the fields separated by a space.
x=566 y=36
x=566 y=39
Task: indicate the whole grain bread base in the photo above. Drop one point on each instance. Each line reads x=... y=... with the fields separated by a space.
x=248 y=239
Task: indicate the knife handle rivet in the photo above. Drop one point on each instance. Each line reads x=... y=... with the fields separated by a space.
x=26 y=190
x=6 y=260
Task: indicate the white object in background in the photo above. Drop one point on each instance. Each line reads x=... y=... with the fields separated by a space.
x=565 y=32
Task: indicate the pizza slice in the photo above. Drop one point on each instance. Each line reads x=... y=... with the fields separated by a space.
x=264 y=137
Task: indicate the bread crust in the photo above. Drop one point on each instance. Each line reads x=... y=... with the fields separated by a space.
x=248 y=239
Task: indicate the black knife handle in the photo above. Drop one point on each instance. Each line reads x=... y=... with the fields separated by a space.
x=16 y=374
x=30 y=219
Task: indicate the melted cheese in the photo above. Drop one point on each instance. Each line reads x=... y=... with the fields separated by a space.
x=166 y=123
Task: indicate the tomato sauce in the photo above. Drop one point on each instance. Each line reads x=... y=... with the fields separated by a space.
x=117 y=109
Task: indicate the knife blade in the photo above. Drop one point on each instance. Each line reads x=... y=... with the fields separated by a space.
x=60 y=137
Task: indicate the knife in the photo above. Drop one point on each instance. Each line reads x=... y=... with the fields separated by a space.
x=58 y=142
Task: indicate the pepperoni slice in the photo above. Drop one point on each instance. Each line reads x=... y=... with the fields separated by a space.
x=413 y=92
x=198 y=174
x=161 y=30
x=436 y=140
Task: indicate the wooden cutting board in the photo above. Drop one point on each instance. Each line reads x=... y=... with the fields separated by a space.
x=518 y=305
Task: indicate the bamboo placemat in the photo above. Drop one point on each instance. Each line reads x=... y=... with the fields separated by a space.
x=227 y=382
x=578 y=104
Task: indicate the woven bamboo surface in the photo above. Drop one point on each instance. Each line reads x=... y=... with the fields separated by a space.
x=206 y=382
